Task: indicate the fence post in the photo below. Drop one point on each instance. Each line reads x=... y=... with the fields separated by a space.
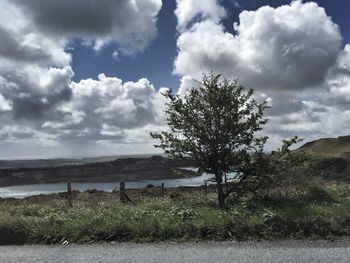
x=69 y=194
x=122 y=192
x=205 y=188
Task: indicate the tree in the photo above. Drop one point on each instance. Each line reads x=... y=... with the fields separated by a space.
x=214 y=125
x=268 y=171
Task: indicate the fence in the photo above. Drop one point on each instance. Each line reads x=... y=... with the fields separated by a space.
x=123 y=197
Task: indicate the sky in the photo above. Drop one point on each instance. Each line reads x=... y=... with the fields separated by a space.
x=82 y=78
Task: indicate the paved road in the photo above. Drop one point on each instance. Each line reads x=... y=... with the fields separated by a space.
x=292 y=251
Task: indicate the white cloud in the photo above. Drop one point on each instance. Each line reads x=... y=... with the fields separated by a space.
x=290 y=47
x=188 y=10
x=339 y=77
x=130 y=23
x=35 y=72
x=39 y=103
x=115 y=55
x=34 y=66
x=26 y=136
x=5 y=105
x=103 y=111
x=108 y=110
x=122 y=105
x=34 y=92
x=291 y=55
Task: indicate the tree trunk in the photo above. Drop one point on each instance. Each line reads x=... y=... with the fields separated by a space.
x=221 y=195
x=226 y=186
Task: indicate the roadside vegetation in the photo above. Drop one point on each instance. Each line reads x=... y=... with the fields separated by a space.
x=315 y=210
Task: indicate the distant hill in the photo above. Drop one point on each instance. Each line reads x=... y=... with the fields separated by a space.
x=63 y=161
x=329 y=157
x=102 y=170
x=328 y=147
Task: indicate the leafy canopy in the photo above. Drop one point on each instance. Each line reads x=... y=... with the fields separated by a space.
x=214 y=125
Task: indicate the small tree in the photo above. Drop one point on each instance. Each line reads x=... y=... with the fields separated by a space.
x=214 y=125
x=265 y=172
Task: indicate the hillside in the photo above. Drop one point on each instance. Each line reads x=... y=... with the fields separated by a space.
x=63 y=161
x=328 y=147
x=129 y=169
x=329 y=157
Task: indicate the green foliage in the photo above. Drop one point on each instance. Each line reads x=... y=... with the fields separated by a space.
x=193 y=217
x=270 y=171
x=214 y=125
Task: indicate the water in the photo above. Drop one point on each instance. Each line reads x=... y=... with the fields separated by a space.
x=22 y=191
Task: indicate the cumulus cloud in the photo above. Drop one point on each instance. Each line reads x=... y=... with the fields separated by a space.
x=188 y=10
x=118 y=104
x=339 y=77
x=22 y=43
x=35 y=72
x=291 y=55
x=130 y=23
x=39 y=103
x=106 y=111
x=5 y=105
x=34 y=92
x=289 y=47
x=109 y=110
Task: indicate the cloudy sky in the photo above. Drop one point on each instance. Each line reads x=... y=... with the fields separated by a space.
x=85 y=77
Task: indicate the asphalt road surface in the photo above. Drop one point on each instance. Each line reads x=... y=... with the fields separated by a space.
x=284 y=251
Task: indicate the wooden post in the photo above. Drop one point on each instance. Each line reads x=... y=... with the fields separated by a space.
x=122 y=192
x=205 y=188
x=69 y=194
x=162 y=188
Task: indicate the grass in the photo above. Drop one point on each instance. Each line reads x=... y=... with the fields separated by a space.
x=98 y=216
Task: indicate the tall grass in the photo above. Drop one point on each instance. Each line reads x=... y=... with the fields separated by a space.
x=192 y=216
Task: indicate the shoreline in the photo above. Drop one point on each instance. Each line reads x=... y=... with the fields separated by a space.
x=128 y=169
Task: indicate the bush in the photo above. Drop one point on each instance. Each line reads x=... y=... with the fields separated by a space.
x=14 y=232
x=319 y=193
